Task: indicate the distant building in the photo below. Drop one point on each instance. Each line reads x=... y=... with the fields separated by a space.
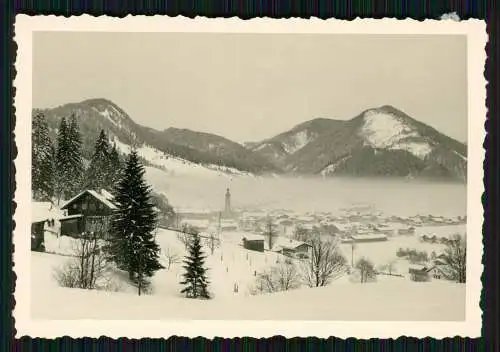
x=291 y=248
x=424 y=273
x=227 y=204
x=254 y=242
x=419 y=273
x=89 y=211
x=365 y=238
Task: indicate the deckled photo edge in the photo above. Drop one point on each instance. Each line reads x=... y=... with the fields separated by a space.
x=25 y=25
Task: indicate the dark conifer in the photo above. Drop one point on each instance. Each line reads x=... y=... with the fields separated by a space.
x=195 y=278
x=132 y=244
x=99 y=172
x=75 y=158
x=42 y=159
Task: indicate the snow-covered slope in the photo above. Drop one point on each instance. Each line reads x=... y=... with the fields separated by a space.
x=384 y=130
x=388 y=299
x=382 y=142
x=189 y=147
x=288 y=143
x=175 y=165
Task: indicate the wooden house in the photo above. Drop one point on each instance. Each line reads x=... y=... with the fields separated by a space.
x=291 y=247
x=89 y=211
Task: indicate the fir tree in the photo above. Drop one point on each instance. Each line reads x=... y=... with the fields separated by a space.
x=75 y=157
x=62 y=170
x=99 y=172
x=69 y=162
x=42 y=157
x=195 y=278
x=115 y=166
x=132 y=245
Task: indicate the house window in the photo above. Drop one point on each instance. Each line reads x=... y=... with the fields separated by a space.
x=84 y=206
x=92 y=206
x=74 y=206
x=99 y=206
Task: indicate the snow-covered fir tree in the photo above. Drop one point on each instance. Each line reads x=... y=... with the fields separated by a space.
x=99 y=173
x=42 y=160
x=75 y=156
x=195 y=276
x=132 y=245
x=69 y=163
x=115 y=165
x=62 y=170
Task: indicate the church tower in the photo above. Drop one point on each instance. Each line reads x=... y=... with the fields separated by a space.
x=227 y=207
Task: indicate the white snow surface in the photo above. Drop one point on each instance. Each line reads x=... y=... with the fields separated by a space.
x=387 y=131
x=178 y=166
x=390 y=298
x=297 y=141
x=330 y=169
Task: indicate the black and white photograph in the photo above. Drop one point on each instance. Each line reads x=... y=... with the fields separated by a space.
x=230 y=175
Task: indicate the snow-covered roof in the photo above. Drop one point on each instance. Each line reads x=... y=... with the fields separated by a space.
x=102 y=198
x=253 y=237
x=369 y=237
x=286 y=243
x=69 y=217
x=417 y=267
x=107 y=195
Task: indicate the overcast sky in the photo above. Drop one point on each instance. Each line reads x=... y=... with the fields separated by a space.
x=249 y=87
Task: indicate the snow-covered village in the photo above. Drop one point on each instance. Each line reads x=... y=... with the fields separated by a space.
x=356 y=219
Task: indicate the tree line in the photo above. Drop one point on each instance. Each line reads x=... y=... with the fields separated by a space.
x=59 y=173
x=58 y=169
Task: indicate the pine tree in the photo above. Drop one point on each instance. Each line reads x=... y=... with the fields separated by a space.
x=75 y=157
x=132 y=245
x=42 y=168
x=62 y=171
x=115 y=166
x=69 y=162
x=99 y=172
x=195 y=278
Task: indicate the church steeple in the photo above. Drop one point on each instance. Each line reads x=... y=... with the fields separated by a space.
x=227 y=208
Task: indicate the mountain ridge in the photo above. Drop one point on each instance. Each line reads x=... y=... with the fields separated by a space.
x=378 y=142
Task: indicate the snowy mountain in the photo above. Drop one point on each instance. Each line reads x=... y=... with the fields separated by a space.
x=282 y=146
x=172 y=149
x=382 y=141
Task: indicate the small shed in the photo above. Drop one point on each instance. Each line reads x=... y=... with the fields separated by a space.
x=253 y=243
x=419 y=273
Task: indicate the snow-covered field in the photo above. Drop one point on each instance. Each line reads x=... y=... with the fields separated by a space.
x=391 y=298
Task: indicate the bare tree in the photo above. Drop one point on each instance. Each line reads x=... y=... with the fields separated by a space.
x=87 y=266
x=366 y=270
x=455 y=258
x=389 y=267
x=270 y=232
x=282 y=277
x=212 y=242
x=171 y=257
x=186 y=234
x=325 y=263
